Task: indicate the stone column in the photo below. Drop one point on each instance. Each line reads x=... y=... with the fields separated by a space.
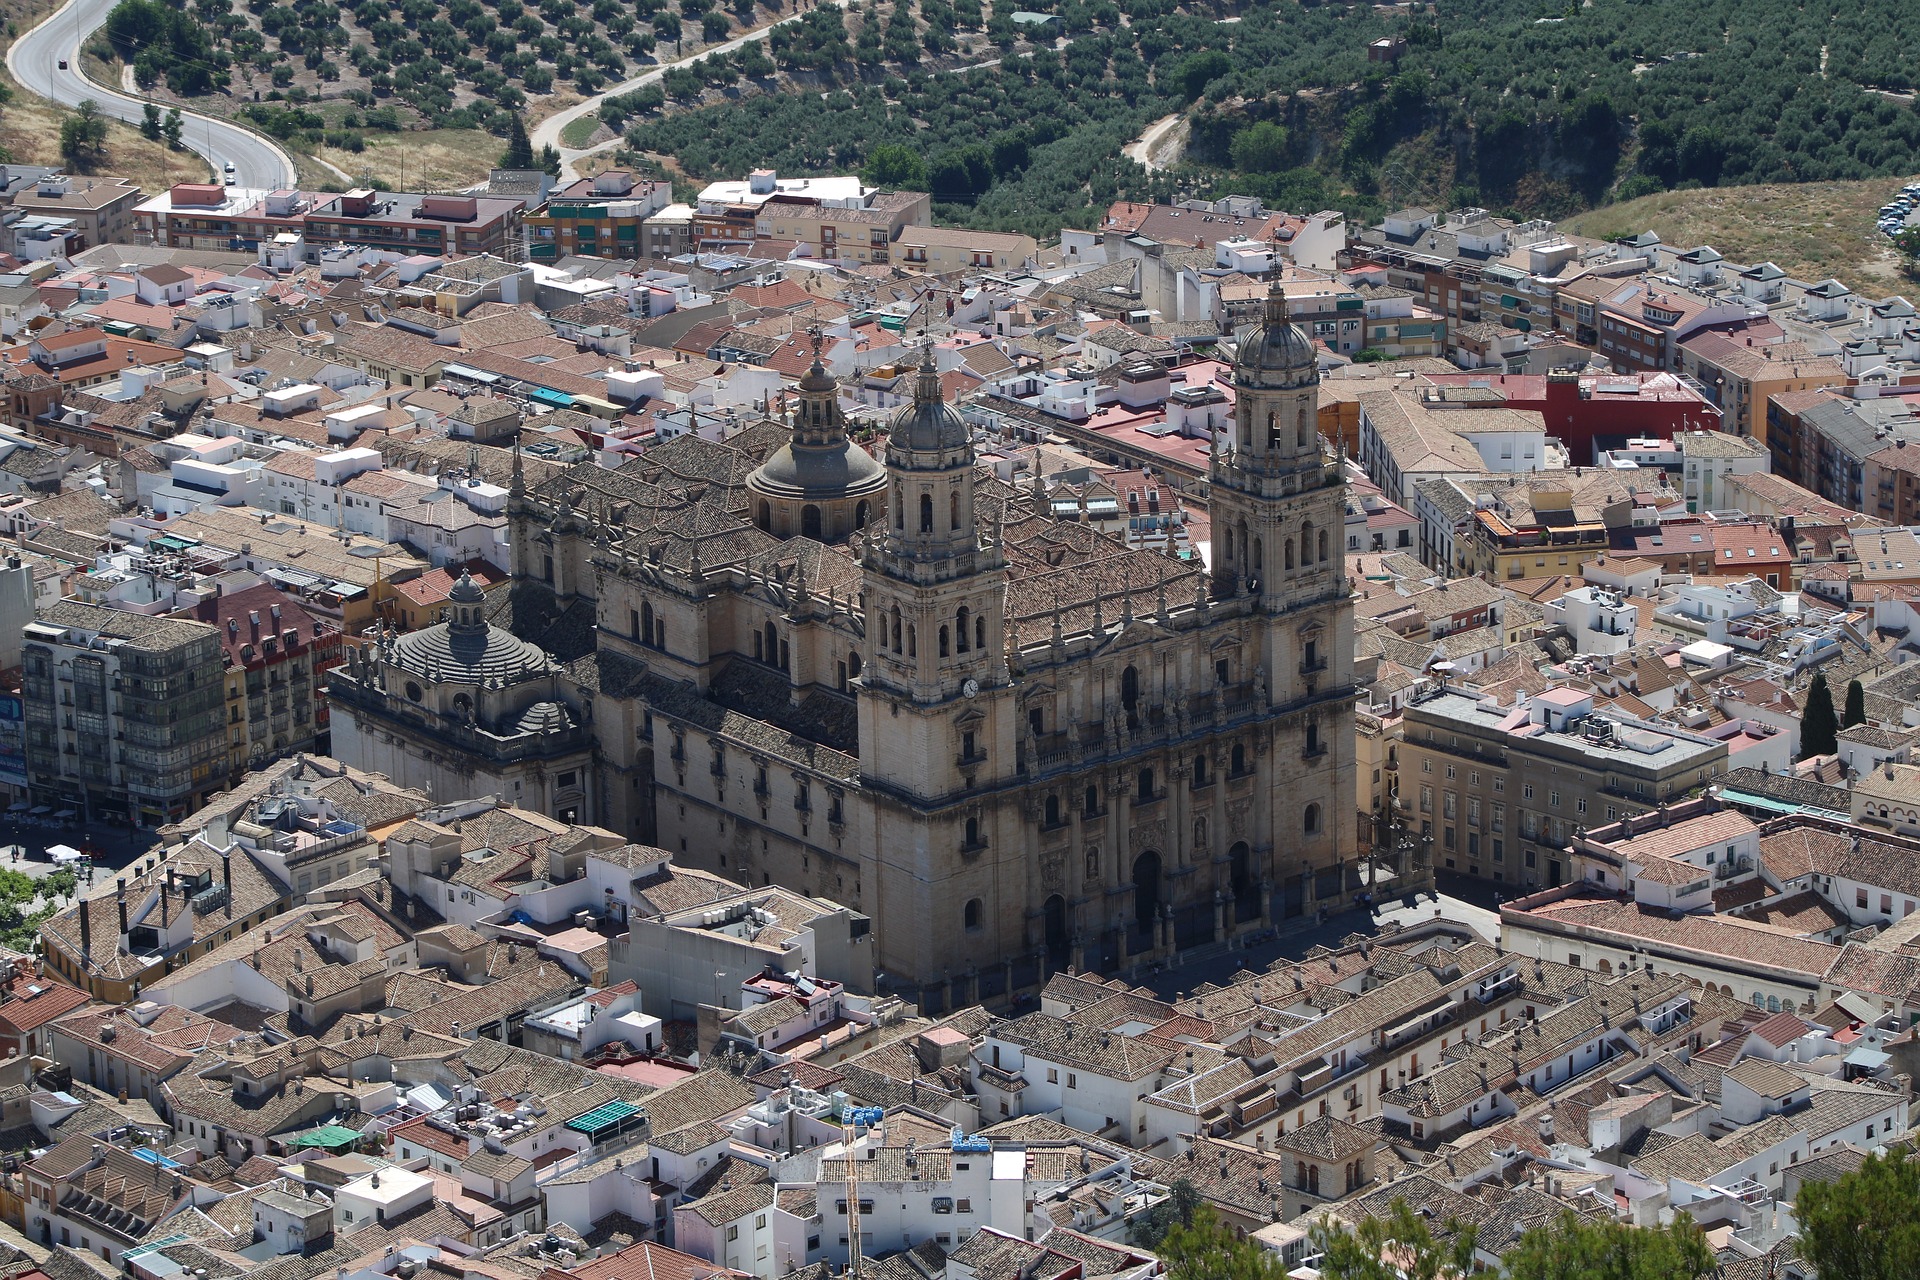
x=1219 y=915
x=1179 y=829
x=1266 y=901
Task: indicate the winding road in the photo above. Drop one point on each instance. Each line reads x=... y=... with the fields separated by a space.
x=547 y=132
x=34 y=62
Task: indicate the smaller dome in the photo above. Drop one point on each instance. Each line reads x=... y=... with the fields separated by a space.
x=1275 y=352
x=545 y=717
x=816 y=378
x=466 y=591
x=929 y=424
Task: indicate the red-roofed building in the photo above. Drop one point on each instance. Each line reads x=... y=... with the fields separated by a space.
x=28 y=1002
x=1751 y=551
x=1592 y=412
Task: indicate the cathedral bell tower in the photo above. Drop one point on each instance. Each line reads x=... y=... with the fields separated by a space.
x=935 y=714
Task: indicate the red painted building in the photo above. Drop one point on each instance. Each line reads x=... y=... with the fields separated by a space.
x=1590 y=412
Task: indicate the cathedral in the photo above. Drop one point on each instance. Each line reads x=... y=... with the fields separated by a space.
x=1013 y=742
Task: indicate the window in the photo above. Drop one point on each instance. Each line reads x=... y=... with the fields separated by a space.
x=966 y=1206
x=733 y=1232
x=1310 y=820
x=973 y=914
x=1053 y=1075
x=943 y=1204
x=1073 y=1081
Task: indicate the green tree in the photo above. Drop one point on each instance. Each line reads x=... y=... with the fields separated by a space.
x=1819 y=726
x=1862 y=1226
x=150 y=122
x=1208 y=1249
x=1362 y=1254
x=1202 y=69
x=519 y=152
x=1177 y=1210
x=550 y=160
x=893 y=165
x=83 y=136
x=172 y=127
x=1577 y=1248
x=713 y=25
x=1856 y=712
x=1260 y=148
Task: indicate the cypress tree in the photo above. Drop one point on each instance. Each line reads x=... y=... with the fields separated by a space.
x=519 y=152
x=1819 y=727
x=1856 y=712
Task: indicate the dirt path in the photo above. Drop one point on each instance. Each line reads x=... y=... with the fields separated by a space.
x=1161 y=146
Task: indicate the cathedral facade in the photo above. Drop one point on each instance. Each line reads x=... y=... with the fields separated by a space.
x=1013 y=742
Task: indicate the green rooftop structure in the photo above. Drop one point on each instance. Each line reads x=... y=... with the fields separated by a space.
x=334 y=1137
x=608 y=1120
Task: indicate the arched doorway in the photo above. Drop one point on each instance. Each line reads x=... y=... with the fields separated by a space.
x=1146 y=898
x=1246 y=890
x=1054 y=916
x=810 y=522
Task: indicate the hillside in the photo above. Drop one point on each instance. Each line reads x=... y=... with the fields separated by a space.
x=1812 y=230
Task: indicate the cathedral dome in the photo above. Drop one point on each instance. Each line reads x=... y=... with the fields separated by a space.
x=1276 y=352
x=468 y=650
x=819 y=472
x=929 y=424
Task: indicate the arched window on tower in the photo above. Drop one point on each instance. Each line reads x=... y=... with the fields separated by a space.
x=1321 y=554
x=899 y=507
x=1310 y=820
x=853 y=665
x=913 y=645
x=896 y=628
x=1300 y=429
x=1273 y=428
x=645 y=635
x=1246 y=428
x=953 y=511
x=943 y=640
x=973 y=913
x=960 y=629
x=980 y=631
x=860 y=514
x=926 y=513
x=1289 y=560
x=1306 y=542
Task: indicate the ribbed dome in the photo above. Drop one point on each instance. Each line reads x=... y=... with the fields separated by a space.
x=803 y=471
x=1276 y=352
x=543 y=717
x=929 y=424
x=450 y=653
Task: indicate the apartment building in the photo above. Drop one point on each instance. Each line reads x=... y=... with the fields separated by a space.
x=101 y=209
x=1503 y=790
x=1739 y=375
x=597 y=217
x=204 y=215
x=277 y=656
x=941 y=250
x=124 y=713
x=1821 y=440
x=1891 y=479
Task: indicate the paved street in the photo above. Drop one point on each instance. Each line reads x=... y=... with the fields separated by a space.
x=46 y=61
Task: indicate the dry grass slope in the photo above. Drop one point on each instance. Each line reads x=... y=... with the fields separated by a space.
x=426 y=160
x=30 y=131
x=1812 y=230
